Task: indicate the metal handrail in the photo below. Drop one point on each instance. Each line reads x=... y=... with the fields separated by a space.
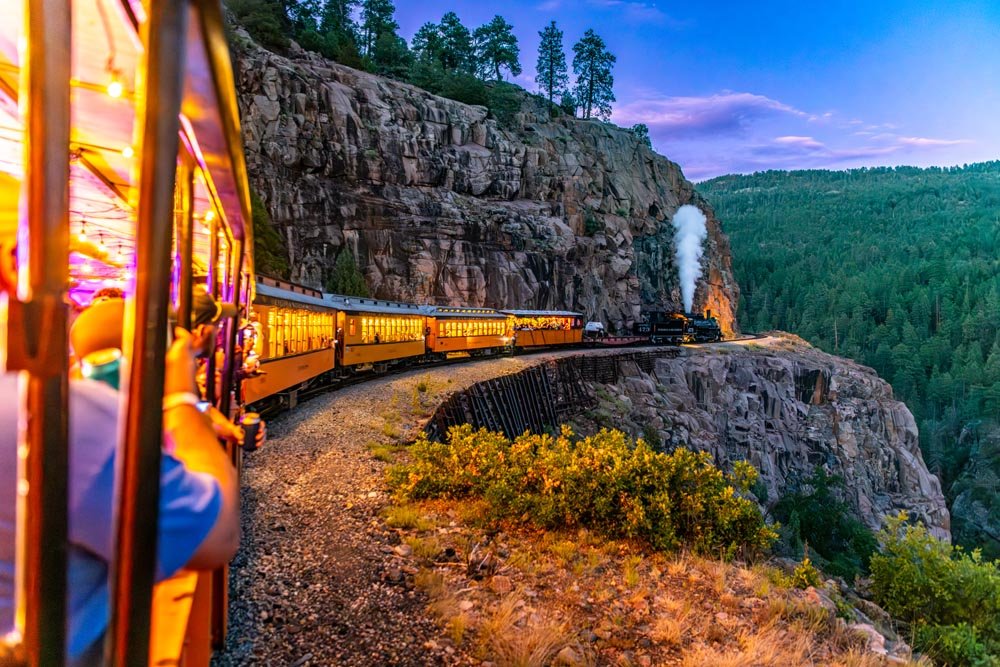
x=163 y=36
x=42 y=509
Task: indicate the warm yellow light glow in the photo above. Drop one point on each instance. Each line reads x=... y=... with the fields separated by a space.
x=209 y=216
x=82 y=236
x=115 y=87
x=128 y=152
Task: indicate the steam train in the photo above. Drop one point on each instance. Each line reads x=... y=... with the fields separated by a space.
x=667 y=327
x=298 y=338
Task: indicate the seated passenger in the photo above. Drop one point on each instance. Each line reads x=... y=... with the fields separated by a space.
x=199 y=496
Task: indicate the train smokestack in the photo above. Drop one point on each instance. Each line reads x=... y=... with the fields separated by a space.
x=689 y=234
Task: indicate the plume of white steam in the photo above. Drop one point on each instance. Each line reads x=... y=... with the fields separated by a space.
x=689 y=233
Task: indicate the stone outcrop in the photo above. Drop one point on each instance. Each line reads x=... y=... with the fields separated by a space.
x=441 y=203
x=788 y=409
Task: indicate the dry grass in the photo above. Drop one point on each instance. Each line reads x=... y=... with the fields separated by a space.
x=768 y=647
x=424 y=548
x=630 y=570
x=510 y=637
x=674 y=623
x=608 y=602
x=406 y=517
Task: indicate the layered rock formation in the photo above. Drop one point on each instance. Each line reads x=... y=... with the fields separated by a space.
x=788 y=409
x=440 y=203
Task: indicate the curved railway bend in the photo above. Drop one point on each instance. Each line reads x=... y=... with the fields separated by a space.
x=317 y=580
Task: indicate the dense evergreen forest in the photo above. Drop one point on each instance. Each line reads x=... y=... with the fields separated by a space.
x=898 y=269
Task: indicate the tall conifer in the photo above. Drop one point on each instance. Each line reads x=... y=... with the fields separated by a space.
x=592 y=64
x=551 y=77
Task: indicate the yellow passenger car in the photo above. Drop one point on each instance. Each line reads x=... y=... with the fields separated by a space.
x=290 y=340
x=375 y=334
x=453 y=330
x=541 y=328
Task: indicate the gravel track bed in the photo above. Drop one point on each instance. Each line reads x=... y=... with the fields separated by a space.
x=316 y=581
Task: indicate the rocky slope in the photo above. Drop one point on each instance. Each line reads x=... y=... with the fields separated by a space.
x=438 y=202
x=787 y=408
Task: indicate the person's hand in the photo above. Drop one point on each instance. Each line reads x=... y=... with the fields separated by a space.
x=224 y=428
x=261 y=435
x=229 y=431
x=179 y=364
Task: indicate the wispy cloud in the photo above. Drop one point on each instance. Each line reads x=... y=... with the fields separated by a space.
x=926 y=141
x=632 y=11
x=725 y=112
x=548 y=5
x=637 y=11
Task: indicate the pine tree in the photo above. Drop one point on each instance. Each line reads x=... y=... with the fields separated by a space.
x=376 y=19
x=592 y=64
x=456 y=45
x=270 y=256
x=496 y=48
x=347 y=279
x=339 y=32
x=264 y=20
x=427 y=44
x=390 y=55
x=551 y=77
x=641 y=132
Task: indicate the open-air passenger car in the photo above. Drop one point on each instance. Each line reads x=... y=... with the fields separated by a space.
x=121 y=165
x=539 y=328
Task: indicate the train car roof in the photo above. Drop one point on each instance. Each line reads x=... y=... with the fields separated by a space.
x=541 y=313
x=357 y=304
x=107 y=47
x=464 y=312
x=264 y=289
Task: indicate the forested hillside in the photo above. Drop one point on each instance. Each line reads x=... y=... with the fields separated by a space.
x=897 y=268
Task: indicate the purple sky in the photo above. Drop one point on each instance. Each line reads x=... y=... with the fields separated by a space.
x=736 y=86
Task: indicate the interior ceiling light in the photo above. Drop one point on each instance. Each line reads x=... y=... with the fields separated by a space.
x=115 y=87
x=209 y=216
x=128 y=152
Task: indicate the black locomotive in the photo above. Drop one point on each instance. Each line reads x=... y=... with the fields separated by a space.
x=675 y=328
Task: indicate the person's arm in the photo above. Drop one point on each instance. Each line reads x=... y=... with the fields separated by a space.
x=196 y=446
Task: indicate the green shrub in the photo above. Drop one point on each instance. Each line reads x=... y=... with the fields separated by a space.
x=605 y=482
x=953 y=645
x=805 y=574
x=841 y=544
x=504 y=102
x=952 y=597
x=592 y=224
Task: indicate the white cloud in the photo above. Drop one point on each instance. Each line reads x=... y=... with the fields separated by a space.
x=725 y=112
x=924 y=142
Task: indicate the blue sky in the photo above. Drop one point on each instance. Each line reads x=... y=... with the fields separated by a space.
x=738 y=86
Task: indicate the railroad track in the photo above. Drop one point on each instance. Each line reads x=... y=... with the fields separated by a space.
x=626 y=342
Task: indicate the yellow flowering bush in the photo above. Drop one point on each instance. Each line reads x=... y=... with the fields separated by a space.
x=606 y=482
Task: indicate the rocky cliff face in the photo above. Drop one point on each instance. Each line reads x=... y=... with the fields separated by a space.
x=440 y=203
x=787 y=408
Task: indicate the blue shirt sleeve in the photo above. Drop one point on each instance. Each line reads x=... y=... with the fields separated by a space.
x=189 y=506
x=189 y=501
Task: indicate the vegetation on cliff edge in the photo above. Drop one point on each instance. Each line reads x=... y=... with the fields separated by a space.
x=896 y=268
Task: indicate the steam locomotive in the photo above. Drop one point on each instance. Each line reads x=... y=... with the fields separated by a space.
x=675 y=328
